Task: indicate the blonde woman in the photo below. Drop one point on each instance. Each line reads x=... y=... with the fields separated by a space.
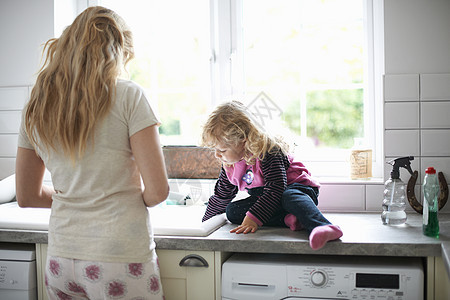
x=282 y=191
x=97 y=135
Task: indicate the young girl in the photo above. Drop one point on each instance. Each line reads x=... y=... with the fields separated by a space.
x=96 y=134
x=282 y=191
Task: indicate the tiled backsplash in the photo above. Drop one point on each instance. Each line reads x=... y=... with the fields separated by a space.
x=12 y=100
x=416 y=122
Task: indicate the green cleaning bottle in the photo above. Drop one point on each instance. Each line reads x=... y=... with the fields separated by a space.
x=430 y=203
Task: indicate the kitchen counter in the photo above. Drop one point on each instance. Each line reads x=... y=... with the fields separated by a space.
x=364 y=234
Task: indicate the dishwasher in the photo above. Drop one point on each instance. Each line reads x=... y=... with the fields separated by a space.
x=253 y=276
x=18 y=271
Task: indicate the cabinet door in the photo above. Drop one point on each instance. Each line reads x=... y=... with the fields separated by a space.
x=41 y=259
x=173 y=277
x=200 y=279
x=441 y=280
x=187 y=275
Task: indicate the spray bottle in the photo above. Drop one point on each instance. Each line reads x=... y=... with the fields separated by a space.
x=394 y=203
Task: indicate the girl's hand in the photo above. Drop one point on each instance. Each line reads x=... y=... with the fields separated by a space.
x=248 y=225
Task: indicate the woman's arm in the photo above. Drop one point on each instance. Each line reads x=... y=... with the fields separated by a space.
x=147 y=151
x=30 y=192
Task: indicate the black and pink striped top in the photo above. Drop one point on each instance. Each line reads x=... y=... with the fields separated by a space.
x=273 y=173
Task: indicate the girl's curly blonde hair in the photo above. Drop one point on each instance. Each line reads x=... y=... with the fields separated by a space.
x=76 y=84
x=231 y=123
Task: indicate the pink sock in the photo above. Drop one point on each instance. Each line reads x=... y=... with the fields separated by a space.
x=291 y=221
x=322 y=234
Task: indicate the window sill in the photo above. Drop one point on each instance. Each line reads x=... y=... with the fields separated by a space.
x=346 y=180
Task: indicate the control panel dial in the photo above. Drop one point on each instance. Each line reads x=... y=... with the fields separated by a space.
x=319 y=278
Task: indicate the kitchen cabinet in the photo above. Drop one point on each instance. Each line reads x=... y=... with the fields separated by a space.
x=41 y=258
x=185 y=275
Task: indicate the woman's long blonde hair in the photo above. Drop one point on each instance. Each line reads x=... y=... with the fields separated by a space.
x=231 y=123
x=76 y=84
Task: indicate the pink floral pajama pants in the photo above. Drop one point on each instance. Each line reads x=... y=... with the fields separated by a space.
x=79 y=279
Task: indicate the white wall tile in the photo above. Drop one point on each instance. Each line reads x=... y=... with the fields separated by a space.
x=401 y=87
x=435 y=142
x=404 y=115
x=8 y=167
x=8 y=145
x=342 y=198
x=435 y=114
x=401 y=143
x=434 y=87
x=22 y=42
x=404 y=174
x=374 y=197
x=10 y=121
x=446 y=208
x=13 y=98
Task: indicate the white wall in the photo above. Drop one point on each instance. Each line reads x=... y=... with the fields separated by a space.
x=24 y=26
x=417 y=85
x=417 y=36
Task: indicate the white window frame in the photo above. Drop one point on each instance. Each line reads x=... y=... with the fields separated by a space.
x=228 y=75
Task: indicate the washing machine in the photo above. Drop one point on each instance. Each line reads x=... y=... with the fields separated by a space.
x=250 y=276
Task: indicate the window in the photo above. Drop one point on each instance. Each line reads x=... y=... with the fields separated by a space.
x=312 y=61
x=172 y=45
